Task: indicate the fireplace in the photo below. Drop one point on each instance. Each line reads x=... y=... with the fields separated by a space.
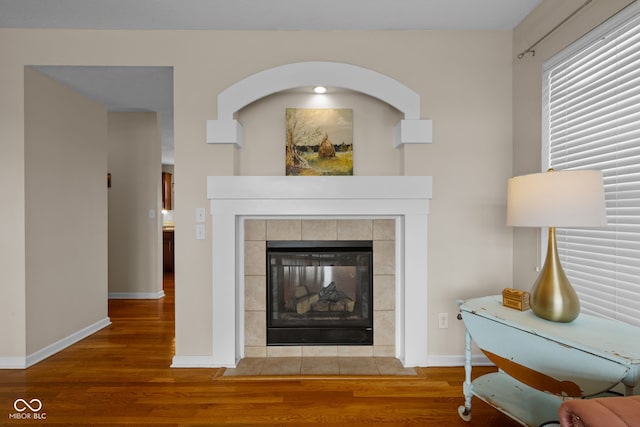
x=320 y=292
x=235 y=200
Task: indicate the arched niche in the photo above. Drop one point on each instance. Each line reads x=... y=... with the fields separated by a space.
x=410 y=130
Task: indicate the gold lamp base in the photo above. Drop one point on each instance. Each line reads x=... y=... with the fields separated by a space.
x=552 y=296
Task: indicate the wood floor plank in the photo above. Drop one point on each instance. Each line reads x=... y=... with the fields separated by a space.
x=120 y=376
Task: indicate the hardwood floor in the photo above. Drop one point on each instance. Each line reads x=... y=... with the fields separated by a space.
x=121 y=376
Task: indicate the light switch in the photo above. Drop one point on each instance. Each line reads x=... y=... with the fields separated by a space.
x=200 y=215
x=199 y=231
x=152 y=213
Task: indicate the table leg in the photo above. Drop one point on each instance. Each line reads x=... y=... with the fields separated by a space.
x=467 y=387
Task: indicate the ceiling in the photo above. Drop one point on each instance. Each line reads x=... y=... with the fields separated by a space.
x=266 y=14
x=151 y=88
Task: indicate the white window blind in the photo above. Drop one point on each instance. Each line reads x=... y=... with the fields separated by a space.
x=591 y=120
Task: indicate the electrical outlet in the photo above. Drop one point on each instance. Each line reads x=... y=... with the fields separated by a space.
x=443 y=320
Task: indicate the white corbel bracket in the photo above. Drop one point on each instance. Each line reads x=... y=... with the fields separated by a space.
x=224 y=132
x=413 y=132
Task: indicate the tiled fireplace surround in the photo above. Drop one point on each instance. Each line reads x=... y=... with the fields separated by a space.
x=380 y=231
x=248 y=210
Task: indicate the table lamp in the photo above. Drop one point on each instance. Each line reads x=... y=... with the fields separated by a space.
x=570 y=198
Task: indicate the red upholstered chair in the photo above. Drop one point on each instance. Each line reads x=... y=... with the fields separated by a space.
x=601 y=412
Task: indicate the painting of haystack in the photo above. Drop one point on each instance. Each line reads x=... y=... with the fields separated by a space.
x=319 y=141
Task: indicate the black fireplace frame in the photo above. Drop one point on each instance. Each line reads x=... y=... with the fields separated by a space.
x=350 y=332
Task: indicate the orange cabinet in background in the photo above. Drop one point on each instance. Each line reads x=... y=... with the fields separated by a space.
x=167 y=203
x=168 y=255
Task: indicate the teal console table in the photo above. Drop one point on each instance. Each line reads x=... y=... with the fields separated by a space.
x=541 y=362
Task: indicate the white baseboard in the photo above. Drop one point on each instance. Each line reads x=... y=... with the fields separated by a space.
x=13 y=362
x=50 y=350
x=458 y=360
x=136 y=295
x=195 y=362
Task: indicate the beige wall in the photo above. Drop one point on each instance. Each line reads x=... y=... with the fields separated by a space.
x=262 y=152
x=66 y=211
x=465 y=83
x=527 y=95
x=135 y=201
x=12 y=216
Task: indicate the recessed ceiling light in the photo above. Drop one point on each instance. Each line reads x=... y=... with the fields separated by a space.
x=319 y=89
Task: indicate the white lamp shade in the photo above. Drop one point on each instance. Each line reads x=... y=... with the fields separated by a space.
x=572 y=198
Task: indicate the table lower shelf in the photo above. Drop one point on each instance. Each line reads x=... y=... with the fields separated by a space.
x=524 y=404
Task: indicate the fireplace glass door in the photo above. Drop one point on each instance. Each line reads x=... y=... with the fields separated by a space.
x=319 y=292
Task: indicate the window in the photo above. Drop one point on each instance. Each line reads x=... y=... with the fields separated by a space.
x=591 y=120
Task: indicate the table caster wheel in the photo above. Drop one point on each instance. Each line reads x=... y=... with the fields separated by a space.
x=465 y=413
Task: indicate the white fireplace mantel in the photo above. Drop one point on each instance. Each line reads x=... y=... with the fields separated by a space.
x=236 y=198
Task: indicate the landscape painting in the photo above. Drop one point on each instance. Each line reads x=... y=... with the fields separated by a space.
x=319 y=141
